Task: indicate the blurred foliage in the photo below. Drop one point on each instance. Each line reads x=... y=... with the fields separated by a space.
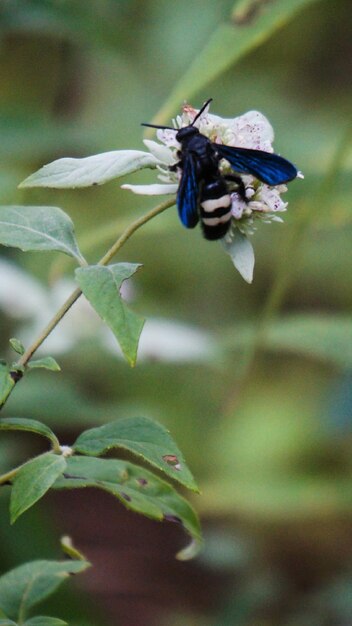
x=265 y=422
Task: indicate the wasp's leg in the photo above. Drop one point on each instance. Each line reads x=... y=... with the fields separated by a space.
x=175 y=166
x=241 y=190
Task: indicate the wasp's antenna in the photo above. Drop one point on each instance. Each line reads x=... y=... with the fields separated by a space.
x=161 y=127
x=175 y=129
x=201 y=110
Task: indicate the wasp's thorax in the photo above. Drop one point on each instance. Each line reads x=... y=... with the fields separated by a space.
x=184 y=134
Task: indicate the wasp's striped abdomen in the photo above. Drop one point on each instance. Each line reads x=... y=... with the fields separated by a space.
x=215 y=209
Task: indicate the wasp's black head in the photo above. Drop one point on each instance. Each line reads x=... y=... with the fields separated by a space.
x=186 y=132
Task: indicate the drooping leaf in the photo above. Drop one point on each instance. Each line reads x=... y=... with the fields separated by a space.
x=101 y=286
x=226 y=46
x=141 y=436
x=33 y=480
x=47 y=363
x=6 y=383
x=137 y=488
x=38 y=228
x=93 y=170
x=28 y=584
x=42 y=620
x=28 y=425
x=241 y=252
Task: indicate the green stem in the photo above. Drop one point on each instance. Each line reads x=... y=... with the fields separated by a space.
x=49 y=328
x=132 y=228
x=91 y=240
x=56 y=447
x=9 y=476
x=103 y=261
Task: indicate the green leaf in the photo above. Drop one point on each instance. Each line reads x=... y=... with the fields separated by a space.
x=33 y=480
x=324 y=337
x=29 y=425
x=28 y=584
x=47 y=363
x=101 y=286
x=241 y=252
x=42 y=620
x=143 y=437
x=137 y=488
x=228 y=44
x=17 y=346
x=6 y=383
x=38 y=228
x=98 y=169
x=7 y=622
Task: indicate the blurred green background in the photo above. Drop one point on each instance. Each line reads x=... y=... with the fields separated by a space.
x=254 y=381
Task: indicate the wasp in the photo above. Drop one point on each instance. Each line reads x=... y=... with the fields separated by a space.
x=204 y=192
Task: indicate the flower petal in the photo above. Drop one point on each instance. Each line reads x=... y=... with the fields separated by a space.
x=162 y=153
x=241 y=252
x=151 y=190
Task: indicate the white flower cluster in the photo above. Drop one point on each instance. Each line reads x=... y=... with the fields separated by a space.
x=251 y=130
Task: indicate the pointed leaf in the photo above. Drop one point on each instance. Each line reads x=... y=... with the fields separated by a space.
x=33 y=480
x=28 y=425
x=42 y=620
x=38 y=228
x=93 y=170
x=241 y=252
x=28 y=584
x=137 y=488
x=6 y=383
x=101 y=286
x=141 y=436
x=17 y=345
x=227 y=45
x=47 y=363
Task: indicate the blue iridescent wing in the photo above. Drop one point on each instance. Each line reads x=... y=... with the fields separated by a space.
x=268 y=167
x=187 y=195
